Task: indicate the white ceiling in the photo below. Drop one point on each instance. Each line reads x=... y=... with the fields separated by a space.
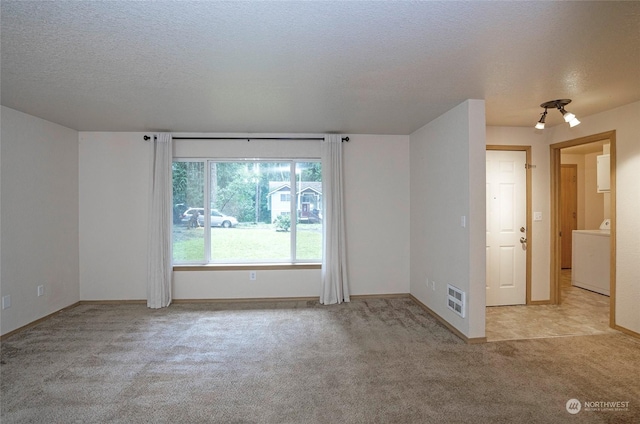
x=312 y=66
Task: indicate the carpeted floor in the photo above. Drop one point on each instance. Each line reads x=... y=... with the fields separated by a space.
x=369 y=361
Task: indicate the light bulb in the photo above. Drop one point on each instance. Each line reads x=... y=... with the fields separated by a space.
x=568 y=116
x=573 y=122
x=540 y=124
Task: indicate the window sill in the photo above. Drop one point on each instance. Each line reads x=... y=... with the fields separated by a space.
x=246 y=267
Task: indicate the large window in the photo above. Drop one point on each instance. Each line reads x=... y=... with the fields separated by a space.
x=242 y=211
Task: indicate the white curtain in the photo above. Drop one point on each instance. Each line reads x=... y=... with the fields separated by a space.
x=159 y=261
x=334 y=263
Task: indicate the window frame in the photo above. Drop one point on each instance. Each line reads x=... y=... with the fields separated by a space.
x=292 y=262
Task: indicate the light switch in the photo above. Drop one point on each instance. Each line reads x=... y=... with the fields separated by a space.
x=537 y=216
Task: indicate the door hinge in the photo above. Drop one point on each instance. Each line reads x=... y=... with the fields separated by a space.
x=528 y=166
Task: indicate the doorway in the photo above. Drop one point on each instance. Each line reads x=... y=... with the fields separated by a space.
x=557 y=231
x=508 y=225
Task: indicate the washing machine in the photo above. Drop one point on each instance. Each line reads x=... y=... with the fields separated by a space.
x=591 y=252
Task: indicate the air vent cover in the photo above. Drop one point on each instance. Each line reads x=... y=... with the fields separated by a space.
x=455 y=300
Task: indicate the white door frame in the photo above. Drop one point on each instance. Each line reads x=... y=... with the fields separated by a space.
x=555 y=288
x=528 y=233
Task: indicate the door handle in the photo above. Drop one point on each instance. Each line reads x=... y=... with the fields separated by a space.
x=523 y=240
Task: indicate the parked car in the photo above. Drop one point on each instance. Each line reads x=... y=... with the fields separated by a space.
x=218 y=219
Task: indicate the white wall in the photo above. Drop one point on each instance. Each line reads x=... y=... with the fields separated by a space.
x=114 y=186
x=114 y=174
x=39 y=217
x=447 y=182
x=626 y=121
x=377 y=203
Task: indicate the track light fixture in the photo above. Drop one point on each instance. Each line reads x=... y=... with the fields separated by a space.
x=558 y=104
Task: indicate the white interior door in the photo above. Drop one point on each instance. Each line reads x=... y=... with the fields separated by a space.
x=506 y=227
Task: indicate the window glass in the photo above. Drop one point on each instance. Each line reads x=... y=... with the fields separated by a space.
x=309 y=210
x=242 y=191
x=250 y=206
x=188 y=199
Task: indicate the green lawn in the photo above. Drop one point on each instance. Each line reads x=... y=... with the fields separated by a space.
x=247 y=243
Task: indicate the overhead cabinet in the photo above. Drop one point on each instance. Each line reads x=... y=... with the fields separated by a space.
x=604 y=176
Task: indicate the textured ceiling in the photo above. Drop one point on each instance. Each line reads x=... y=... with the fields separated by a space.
x=312 y=67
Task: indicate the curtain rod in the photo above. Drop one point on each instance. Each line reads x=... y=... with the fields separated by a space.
x=146 y=137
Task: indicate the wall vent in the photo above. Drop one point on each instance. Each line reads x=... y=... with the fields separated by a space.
x=455 y=300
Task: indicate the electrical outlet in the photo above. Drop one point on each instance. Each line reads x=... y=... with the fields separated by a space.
x=40 y=290
x=6 y=301
x=252 y=275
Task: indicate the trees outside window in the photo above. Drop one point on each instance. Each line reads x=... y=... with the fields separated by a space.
x=256 y=195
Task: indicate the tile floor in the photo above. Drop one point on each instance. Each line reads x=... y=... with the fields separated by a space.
x=581 y=312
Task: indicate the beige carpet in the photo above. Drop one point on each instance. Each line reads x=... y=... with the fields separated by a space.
x=374 y=361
